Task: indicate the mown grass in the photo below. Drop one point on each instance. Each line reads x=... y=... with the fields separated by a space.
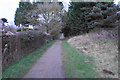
x=20 y=68
x=75 y=65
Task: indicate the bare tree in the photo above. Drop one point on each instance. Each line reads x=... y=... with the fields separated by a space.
x=49 y=15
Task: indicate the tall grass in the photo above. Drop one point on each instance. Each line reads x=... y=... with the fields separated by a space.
x=20 y=68
x=75 y=65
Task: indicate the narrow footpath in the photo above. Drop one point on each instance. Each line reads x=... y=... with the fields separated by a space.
x=49 y=65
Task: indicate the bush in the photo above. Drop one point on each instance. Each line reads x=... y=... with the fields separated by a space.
x=14 y=47
x=24 y=29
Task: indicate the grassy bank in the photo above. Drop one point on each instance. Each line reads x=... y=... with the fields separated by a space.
x=102 y=48
x=76 y=65
x=20 y=68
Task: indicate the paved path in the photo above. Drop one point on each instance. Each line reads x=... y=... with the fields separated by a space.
x=49 y=65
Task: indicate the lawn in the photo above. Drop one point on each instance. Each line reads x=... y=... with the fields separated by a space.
x=76 y=65
x=19 y=68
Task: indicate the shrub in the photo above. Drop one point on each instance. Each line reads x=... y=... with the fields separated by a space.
x=24 y=29
x=14 y=47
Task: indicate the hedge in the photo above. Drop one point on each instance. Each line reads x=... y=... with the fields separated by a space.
x=14 y=47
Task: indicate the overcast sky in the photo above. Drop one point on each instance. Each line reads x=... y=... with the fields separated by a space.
x=116 y=1
x=8 y=8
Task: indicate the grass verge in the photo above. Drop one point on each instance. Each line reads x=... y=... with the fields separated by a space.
x=76 y=65
x=21 y=67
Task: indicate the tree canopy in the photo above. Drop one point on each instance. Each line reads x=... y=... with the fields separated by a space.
x=47 y=15
x=84 y=16
x=21 y=13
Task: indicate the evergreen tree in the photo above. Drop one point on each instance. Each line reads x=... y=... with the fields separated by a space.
x=103 y=15
x=77 y=17
x=21 y=13
x=84 y=16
